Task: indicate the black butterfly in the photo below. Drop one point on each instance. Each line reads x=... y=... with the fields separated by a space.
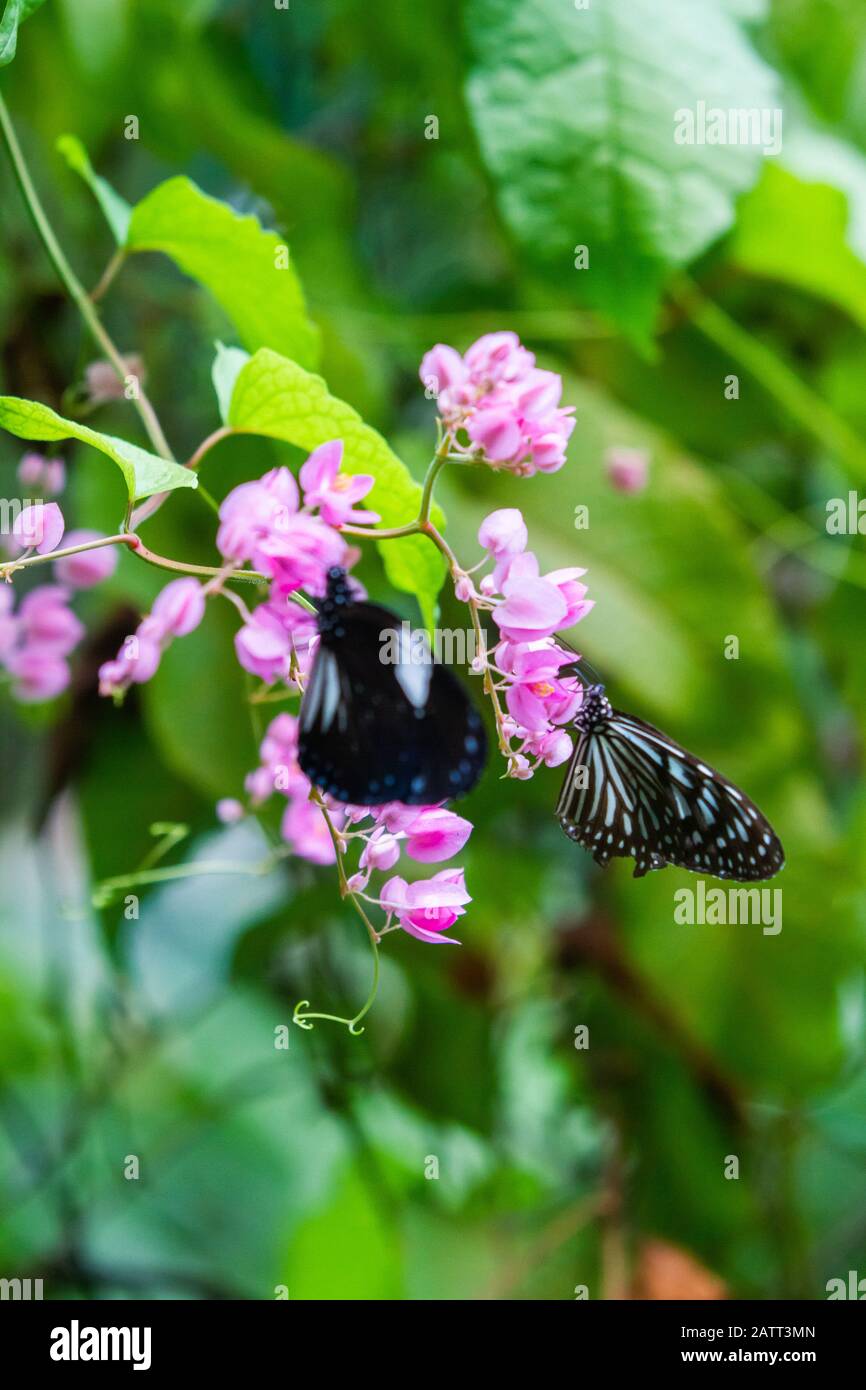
x=374 y=731
x=642 y=796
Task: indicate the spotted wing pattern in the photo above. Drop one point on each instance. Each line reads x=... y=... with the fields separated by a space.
x=632 y=792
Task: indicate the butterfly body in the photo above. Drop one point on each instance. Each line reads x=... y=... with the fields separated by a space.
x=374 y=730
x=630 y=791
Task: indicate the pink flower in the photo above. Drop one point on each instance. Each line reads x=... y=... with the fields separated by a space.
x=177 y=611
x=627 y=469
x=8 y=621
x=229 y=811
x=305 y=830
x=178 y=608
x=102 y=383
x=578 y=605
x=442 y=369
x=263 y=647
x=40 y=673
x=497 y=432
x=503 y=533
x=257 y=511
x=49 y=475
x=333 y=492
x=46 y=620
x=536 y=696
x=39 y=525
x=499 y=357
x=507 y=406
x=555 y=748
x=532 y=607
x=430 y=907
x=381 y=851
x=436 y=834
x=90 y=567
x=300 y=555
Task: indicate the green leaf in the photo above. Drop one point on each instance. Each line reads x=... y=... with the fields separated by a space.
x=116 y=209
x=143 y=473
x=780 y=219
x=577 y=113
x=345 y=1250
x=14 y=14
x=277 y=398
x=224 y=374
x=246 y=269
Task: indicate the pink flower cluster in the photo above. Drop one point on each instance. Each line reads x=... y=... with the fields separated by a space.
x=295 y=544
x=428 y=834
x=177 y=610
x=36 y=640
x=528 y=608
x=38 y=637
x=505 y=406
x=48 y=476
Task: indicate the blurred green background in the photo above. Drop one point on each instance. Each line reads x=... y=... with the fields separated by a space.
x=558 y=1167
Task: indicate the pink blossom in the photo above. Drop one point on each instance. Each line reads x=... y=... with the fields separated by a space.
x=554 y=748
x=428 y=908
x=532 y=608
x=503 y=533
x=263 y=648
x=536 y=697
x=103 y=384
x=45 y=619
x=627 y=469
x=229 y=810
x=508 y=408
x=8 y=621
x=497 y=432
x=304 y=829
x=90 y=566
x=178 y=608
x=256 y=511
x=499 y=357
x=333 y=492
x=49 y=475
x=436 y=834
x=443 y=369
x=39 y=525
x=40 y=673
x=300 y=555
x=381 y=851
x=574 y=593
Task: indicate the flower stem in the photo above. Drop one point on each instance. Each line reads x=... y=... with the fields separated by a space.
x=70 y=280
x=6 y=571
x=300 y=1015
x=153 y=504
x=107 y=277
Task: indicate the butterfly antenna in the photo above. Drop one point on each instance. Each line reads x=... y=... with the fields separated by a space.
x=583 y=668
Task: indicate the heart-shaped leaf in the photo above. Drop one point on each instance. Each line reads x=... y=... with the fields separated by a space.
x=247 y=269
x=143 y=473
x=275 y=397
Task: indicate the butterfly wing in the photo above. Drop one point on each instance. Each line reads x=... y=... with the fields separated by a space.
x=373 y=730
x=640 y=795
